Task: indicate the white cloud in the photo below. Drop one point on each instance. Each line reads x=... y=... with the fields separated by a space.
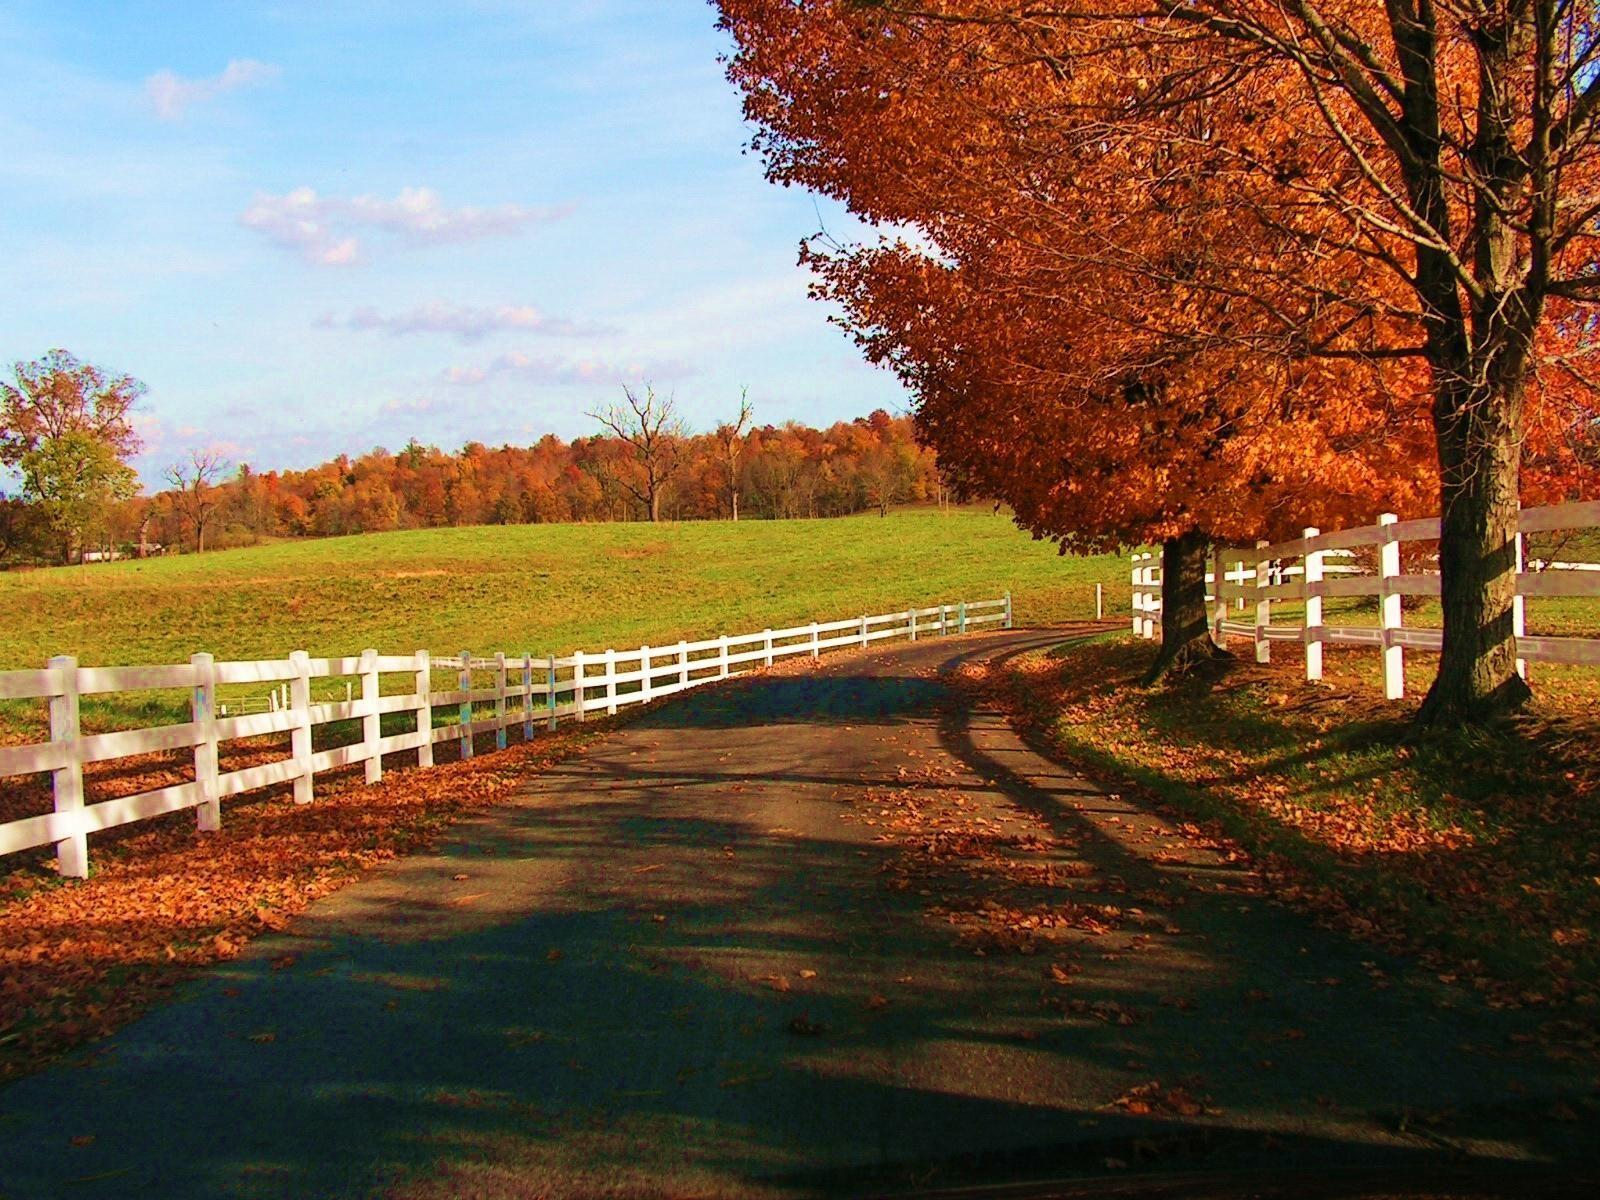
x=324 y=229
x=559 y=371
x=170 y=93
x=467 y=322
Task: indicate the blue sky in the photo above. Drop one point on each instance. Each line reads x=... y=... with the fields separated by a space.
x=321 y=227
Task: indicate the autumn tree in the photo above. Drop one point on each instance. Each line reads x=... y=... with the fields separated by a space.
x=194 y=490
x=66 y=427
x=1088 y=405
x=648 y=425
x=1338 y=181
x=730 y=439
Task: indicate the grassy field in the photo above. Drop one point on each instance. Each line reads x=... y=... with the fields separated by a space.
x=526 y=588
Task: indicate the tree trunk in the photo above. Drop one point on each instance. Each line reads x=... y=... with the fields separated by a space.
x=1480 y=354
x=1185 y=624
x=1479 y=456
x=735 y=506
x=655 y=505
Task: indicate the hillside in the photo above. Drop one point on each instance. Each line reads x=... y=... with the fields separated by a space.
x=538 y=588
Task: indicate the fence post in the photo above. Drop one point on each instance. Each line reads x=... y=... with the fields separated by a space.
x=1219 y=607
x=1394 y=667
x=1263 y=607
x=424 y=684
x=1519 y=609
x=464 y=712
x=912 y=617
x=72 y=851
x=944 y=620
x=1311 y=591
x=499 y=700
x=683 y=664
x=577 y=684
x=1099 y=602
x=300 y=737
x=644 y=674
x=1152 y=595
x=371 y=736
x=766 y=645
x=527 y=696
x=1008 y=611
x=722 y=656
x=1135 y=596
x=816 y=650
x=863 y=629
x=550 y=679
x=203 y=711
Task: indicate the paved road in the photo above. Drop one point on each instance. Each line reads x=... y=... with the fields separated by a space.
x=698 y=961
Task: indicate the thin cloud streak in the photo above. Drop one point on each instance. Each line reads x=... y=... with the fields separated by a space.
x=170 y=94
x=528 y=369
x=324 y=229
x=467 y=323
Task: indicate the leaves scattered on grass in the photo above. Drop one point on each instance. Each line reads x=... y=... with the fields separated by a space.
x=1478 y=851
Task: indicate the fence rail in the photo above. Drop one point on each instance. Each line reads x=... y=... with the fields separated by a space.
x=523 y=689
x=1309 y=569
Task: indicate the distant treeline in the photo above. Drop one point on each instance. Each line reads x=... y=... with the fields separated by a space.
x=790 y=470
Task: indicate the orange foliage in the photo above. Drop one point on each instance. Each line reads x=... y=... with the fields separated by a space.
x=1129 y=319
x=788 y=470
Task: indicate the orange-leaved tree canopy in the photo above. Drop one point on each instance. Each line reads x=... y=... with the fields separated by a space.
x=1250 y=189
x=1105 y=409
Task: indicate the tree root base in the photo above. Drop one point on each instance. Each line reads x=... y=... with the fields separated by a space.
x=1195 y=657
x=1452 y=707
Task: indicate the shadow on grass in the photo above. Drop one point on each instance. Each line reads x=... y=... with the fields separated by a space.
x=1477 y=842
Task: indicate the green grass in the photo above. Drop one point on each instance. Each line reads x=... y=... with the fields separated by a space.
x=531 y=588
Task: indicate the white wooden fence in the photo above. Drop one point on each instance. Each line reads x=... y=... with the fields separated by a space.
x=526 y=690
x=1300 y=571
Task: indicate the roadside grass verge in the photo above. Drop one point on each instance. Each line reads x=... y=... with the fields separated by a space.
x=1478 y=850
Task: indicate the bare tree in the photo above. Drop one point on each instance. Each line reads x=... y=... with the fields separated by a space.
x=730 y=436
x=195 y=492
x=654 y=433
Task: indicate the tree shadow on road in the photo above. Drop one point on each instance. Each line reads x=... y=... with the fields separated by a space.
x=698 y=976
